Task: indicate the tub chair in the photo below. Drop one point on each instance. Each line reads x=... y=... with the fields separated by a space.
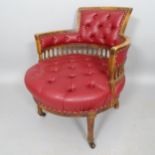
x=81 y=72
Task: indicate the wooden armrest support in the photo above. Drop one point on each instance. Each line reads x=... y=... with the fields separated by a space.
x=113 y=68
x=125 y=43
x=39 y=36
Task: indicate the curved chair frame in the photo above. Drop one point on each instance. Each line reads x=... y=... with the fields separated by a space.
x=116 y=72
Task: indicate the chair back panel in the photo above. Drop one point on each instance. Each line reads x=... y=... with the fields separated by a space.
x=102 y=26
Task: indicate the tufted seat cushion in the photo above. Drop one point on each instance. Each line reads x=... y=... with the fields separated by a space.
x=71 y=83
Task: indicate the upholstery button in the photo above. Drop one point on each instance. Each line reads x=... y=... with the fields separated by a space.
x=71 y=67
x=55 y=69
x=104 y=37
x=72 y=76
x=71 y=60
x=50 y=81
x=95 y=16
x=53 y=39
x=89 y=65
x=88 y=59
x=66 y=37
x=102 y=40
x=55 y=62
x=100 y=26
x=78 y=37
x=108 y=16
x=91 y=84
x=92 y=36
x=88 y=25
x=72 y=88
x=71 y=57
x=113 y=27
x=89 y=73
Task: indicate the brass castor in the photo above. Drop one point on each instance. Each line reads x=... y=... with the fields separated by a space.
x=116 y=105
x=92 y=145
x=42 y=113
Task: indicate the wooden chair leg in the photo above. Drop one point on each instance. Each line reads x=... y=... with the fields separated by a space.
x=116 y=105
x=40 y=111
x=90 y=127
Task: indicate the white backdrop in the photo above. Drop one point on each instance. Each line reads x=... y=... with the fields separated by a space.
x=20 y=20
x=129 y=130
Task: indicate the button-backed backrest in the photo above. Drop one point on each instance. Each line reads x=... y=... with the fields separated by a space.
x=103 y=25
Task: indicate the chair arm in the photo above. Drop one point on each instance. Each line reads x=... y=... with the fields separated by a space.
x=114 y=51
x=125 y=43
x=114 y=68
x=49 y=39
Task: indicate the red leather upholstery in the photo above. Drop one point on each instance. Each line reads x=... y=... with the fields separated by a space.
x=101 y=26
x=59 y=38
x=121 y=56
x=71 y=83
x=96 y=26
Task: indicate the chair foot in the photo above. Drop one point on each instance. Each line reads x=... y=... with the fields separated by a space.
x=92 y=145
x=116 y=105
x=90 y=127
x=40 y=111
x=42 y=114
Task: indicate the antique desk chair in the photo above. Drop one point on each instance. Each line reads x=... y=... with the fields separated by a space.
x=81 y=72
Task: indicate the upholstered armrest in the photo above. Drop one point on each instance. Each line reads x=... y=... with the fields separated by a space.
x=48 y=39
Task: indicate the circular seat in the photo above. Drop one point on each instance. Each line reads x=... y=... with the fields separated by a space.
x=70 y=83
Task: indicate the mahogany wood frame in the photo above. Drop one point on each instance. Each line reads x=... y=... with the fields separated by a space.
x=115 y=74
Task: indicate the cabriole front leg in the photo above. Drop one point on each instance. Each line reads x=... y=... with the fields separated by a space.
x=90 y=126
